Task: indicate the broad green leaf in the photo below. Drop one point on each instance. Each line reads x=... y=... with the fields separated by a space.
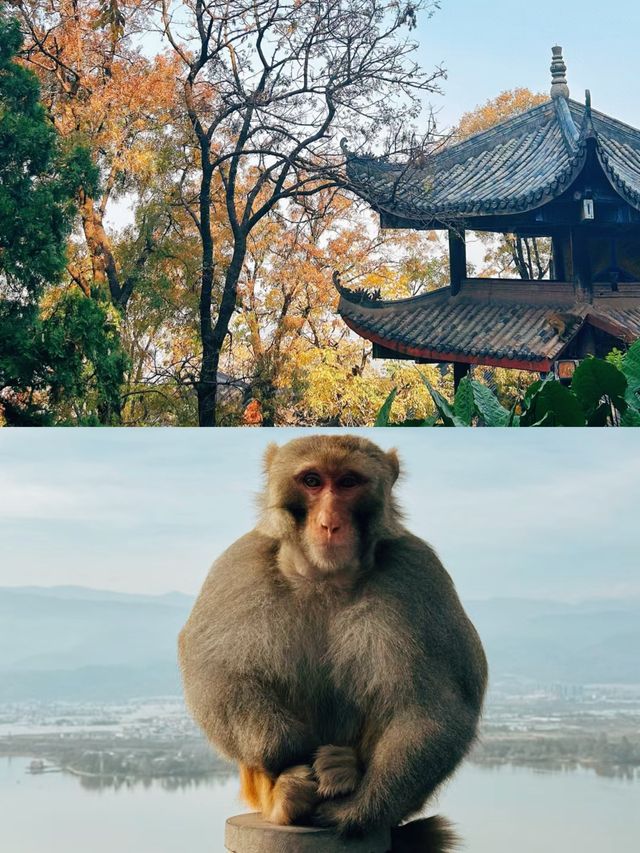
x=431 y=420
x=464 y=406
x=631 y=418
x=545 y=421
x=601 y=416
x=631 y=370
x=553 y=405
x=417 y=422
x=492 y=412
x=532 y=390
x=594 y=379
x=443 y=407
x=382 y=418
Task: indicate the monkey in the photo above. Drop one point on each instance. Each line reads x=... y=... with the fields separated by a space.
x=560 y=322
x=328 y=653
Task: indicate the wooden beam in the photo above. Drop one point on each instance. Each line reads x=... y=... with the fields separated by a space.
x=457 y=259
x=586 y=341
x=559 y=268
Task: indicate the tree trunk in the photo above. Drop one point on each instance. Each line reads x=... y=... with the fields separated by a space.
x=519 y=259
x=207 y=381
x=103 y=264
x=213 y=337
x=207 y=386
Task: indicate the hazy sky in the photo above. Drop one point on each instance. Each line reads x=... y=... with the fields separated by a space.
x=500 y=44
x=524 y=513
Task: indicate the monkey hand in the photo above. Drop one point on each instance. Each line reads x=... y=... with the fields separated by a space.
x=294 y=796
x=337 y=770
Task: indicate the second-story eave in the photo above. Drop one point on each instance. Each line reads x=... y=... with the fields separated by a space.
x=513 y=324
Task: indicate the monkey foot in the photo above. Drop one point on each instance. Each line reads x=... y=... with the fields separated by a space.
x=343 y=814
x=294 y=796
x=337 y=770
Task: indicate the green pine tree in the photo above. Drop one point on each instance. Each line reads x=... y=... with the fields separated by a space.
x=67 y=366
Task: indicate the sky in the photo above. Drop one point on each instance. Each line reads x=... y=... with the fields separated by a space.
x=524 y=513
x=502 y=44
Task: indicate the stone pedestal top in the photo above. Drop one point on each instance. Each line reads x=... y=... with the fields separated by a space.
x=249 y=833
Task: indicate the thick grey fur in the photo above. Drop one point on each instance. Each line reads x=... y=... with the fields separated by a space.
x=393 y=667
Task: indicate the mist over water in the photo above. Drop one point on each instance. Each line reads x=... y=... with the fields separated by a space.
x=497 y=810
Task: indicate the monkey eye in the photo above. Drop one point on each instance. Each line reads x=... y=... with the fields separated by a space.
x=312 y=481
x=348 y=481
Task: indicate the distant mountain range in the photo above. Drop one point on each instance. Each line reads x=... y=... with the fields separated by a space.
x=73 y=643
x=596 y=641
x=84 y=644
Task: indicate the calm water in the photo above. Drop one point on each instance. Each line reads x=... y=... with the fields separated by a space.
x=504 y=810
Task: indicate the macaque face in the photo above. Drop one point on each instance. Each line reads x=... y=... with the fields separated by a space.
x=331 y=498
x=328 y=502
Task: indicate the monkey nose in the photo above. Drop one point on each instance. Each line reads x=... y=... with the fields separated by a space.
x=329 y=527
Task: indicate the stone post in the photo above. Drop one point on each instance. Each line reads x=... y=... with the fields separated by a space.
x=248 y=833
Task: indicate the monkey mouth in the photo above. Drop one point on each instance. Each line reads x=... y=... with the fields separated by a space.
x=332 y=556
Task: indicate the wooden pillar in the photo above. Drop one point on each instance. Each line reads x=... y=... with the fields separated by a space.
x=457 y=259
x=248 y=833
x=586 y=341
x=460 y=370
x=581 y=262
x=559 y=267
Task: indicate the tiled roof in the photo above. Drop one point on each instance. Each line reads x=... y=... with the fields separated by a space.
x=618 y=147
x=518 y=324
x=517 y=165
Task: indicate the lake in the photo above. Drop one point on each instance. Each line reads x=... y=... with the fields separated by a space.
x=497 y=810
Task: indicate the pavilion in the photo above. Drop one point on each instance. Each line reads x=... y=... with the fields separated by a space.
x=560 y=170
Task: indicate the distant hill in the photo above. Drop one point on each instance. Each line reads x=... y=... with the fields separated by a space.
x=549 y=641
x=76 y=643
x=89 y=594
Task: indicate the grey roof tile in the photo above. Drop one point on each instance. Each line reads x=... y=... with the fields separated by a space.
x=512 y=323
x=517 y=165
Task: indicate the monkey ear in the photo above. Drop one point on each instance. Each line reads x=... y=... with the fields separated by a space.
x=394 y=464
x=269 y=455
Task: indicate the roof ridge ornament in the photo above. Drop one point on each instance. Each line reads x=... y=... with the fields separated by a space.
x=559 y=88
x=588 y=130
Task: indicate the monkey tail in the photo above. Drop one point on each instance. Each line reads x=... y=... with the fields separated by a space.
x=427 y=835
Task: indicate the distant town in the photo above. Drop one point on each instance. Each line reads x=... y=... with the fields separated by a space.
x=124 y=744
x=558 y=726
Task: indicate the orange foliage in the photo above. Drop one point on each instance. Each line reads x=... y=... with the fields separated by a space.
x=498 y=109
x=97 y=83
x=252 y=414
x=102 y=91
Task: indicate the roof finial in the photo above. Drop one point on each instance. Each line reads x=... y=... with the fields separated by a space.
x=559 y=88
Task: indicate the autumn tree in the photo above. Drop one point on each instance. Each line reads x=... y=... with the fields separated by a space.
x=47 y=357
x=301 y=362
x=284 y=323
x=269 y=87
x=495 y=110
x=101 y=89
